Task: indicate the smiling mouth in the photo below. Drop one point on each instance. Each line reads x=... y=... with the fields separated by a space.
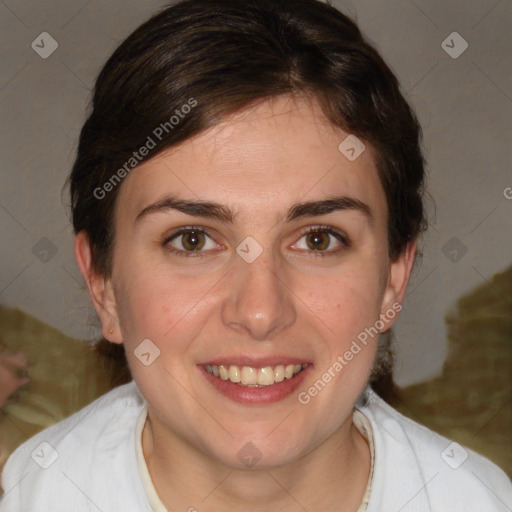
x=255 y=377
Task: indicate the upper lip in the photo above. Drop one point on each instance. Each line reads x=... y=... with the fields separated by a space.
x=255 y=362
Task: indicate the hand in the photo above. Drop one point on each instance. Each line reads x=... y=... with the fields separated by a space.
x=13 y=368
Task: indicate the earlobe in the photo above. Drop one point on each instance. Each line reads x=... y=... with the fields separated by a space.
x=100 y=289
x=399 y=273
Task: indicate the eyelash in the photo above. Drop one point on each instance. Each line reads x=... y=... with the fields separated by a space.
x=312 y=229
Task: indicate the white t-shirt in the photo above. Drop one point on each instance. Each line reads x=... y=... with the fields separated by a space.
x=88 y=462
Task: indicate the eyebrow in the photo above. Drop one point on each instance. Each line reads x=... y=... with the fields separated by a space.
x=212 y=210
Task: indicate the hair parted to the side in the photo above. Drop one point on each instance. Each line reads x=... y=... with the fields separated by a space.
x=228 y=55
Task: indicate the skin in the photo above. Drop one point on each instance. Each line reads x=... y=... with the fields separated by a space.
x=289 y=301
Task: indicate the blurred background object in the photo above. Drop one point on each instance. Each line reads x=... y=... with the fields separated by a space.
x=65 y=375
x=471 y=401
x=13 y=374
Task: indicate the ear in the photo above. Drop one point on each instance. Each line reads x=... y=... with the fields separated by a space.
x=399 y=272
x=100 y=290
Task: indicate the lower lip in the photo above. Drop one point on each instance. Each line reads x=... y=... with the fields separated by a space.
x=256 y=396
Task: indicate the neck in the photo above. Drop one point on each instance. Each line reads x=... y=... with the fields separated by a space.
x=333 y=476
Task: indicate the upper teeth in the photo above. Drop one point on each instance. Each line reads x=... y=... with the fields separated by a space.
x=248 y=376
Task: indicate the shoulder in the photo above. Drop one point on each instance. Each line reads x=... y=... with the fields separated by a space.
x=430 y=468
x=81 y=429
x=63 y=456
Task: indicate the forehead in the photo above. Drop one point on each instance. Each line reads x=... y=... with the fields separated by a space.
x=259 y=161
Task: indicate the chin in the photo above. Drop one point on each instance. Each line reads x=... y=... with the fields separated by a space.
x=260 y=452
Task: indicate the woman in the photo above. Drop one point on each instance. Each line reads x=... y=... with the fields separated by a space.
x=247 y=197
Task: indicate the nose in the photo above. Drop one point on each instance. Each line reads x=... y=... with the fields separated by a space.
x=260 y=302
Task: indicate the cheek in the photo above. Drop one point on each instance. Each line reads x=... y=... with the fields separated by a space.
x=163 y=306
x=346 y=304
x=346 y=311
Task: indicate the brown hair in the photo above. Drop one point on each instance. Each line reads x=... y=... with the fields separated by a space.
x=226 y=55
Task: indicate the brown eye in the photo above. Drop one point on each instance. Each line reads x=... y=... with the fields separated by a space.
x=322 y=241
x=189 y=242
x=193 y=240
x=317 y=241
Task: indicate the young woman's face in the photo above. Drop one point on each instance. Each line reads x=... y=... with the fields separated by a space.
x=213 y=263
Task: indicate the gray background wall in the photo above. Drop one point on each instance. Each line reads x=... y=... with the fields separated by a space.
x=464 y=104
